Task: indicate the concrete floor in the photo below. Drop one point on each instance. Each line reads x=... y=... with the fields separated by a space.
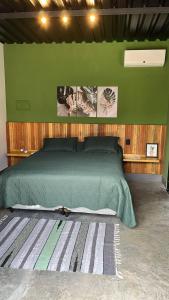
x=145 y=261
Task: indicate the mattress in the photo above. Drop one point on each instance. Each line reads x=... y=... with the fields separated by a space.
x=105 y=211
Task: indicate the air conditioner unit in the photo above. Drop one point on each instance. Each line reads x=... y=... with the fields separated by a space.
x=144 y=58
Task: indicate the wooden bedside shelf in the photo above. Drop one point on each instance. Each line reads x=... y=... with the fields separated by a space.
x=139 y=159
x=17 y=153
x=133 y=163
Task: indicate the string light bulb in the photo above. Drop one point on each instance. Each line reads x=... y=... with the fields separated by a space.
x=44 y=20
x=65 y=19
x=92 y=18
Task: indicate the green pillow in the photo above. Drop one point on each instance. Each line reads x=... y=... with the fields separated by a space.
x=60 y=144
x=101 y=143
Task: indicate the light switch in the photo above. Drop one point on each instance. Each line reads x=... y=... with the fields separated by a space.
x=127 y=141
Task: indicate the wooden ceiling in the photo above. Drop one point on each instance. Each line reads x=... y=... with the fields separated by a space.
x=117 y=20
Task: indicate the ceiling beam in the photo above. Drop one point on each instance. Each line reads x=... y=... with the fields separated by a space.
x=84 y=12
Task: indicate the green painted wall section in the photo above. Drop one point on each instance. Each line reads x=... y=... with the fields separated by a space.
x=166 y=161
x=33 y=72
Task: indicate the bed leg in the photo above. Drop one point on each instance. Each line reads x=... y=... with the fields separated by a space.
x=64 y=211
x=60 y=210
x=11 y=209
x=67 y=212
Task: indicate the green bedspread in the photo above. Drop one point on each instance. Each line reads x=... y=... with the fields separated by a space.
x=70 y=179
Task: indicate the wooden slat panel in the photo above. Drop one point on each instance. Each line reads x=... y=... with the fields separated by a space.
x=115 y=130
x=82 y=130
x=142 y=168
x=31 y=135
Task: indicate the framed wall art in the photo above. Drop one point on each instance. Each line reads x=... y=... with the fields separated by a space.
x=87 y=101
x=107 y=102
x=66 y=101
x=152 y=150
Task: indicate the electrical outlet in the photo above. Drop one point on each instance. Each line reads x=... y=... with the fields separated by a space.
x=127 y=141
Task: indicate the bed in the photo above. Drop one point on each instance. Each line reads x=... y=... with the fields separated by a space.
x=90 y=179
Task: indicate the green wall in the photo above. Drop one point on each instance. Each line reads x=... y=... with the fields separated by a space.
x=33 y=71
x=166 y=164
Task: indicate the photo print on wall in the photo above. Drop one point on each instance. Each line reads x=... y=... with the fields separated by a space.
x=107 y=102
x=66 y=101
x=87 y=101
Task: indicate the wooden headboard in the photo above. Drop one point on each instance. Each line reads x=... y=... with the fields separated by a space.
x=31 y=135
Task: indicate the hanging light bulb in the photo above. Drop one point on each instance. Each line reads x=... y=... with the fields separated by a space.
x=65 y=19
x=43 y=20
x=92 y=18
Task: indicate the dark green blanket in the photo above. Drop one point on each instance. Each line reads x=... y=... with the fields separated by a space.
x=70 y=179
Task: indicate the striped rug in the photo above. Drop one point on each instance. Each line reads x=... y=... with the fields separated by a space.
x=58 y=245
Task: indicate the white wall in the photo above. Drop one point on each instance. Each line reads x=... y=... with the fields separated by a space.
x=3 y=146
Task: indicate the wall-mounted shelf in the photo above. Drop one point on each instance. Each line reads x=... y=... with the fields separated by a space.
x=15 y=156
x=17 y=153
x=133 y=163
x=139 y=158
x=126 y=157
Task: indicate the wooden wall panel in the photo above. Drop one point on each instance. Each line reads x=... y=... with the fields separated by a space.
x=112 y=129
x=143 y=168
x=82 y=130
x=31 y=135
